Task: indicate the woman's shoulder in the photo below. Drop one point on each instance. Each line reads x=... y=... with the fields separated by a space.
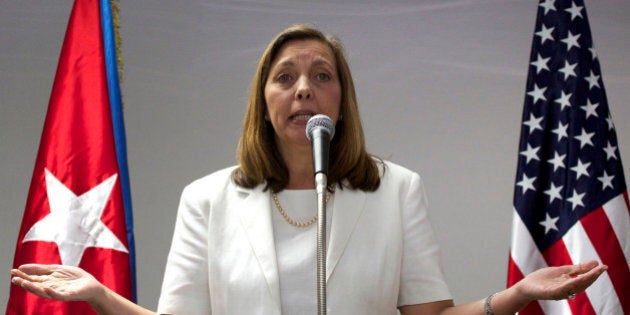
x=398 y=177
x=391 y=169
x=399 y=183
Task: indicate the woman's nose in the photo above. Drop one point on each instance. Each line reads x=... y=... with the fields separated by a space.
x=304 y=89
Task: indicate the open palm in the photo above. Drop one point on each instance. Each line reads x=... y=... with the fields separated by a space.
x=58 y=282
x=556 y=283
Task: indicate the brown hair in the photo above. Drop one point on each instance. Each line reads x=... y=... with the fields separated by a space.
x=258 y=156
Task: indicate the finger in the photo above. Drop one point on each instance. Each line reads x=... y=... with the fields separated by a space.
x=583 y=281
x=30 y=287
x=589 y=277
x=17 y=280
x=38 y=269
x=583 y=267
x=16 y=273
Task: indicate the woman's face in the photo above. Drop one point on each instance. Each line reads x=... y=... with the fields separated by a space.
x=302 y=82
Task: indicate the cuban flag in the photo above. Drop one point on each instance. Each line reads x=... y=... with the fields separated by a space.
x=78 y=210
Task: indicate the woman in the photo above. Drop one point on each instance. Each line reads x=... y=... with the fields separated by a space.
x=244 y=242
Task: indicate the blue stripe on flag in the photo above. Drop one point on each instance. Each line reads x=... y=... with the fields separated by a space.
x=119 y=129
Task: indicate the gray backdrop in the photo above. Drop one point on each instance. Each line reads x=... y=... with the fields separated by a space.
x=440 y=84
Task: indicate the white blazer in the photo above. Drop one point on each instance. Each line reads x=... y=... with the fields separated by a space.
x=381 y=253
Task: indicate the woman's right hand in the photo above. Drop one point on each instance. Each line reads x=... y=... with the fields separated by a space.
x=64 y=283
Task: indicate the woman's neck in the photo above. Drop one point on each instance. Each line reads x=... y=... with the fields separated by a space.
x=299 y=162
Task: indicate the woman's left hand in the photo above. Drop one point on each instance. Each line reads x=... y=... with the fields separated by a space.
x=557 y=283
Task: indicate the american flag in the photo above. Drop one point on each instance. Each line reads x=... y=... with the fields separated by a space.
x=570 y=198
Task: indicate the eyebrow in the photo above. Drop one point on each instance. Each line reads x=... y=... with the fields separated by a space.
x=317 y=62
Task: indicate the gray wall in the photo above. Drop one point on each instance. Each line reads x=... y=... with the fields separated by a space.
x=440 y=83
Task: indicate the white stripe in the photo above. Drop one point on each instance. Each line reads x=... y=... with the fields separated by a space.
x=526 y=256
x=617 y=213
x=555 y=307
x=531 y=259
x=601 y=293
x=524 y=251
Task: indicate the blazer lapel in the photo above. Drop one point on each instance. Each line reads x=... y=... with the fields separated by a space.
x=347 y=208
x=255 y=216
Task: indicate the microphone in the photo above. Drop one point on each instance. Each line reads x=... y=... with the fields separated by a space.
x=319 y=131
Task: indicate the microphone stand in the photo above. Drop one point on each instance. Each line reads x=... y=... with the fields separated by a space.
x=319 y=130
x=321 y=185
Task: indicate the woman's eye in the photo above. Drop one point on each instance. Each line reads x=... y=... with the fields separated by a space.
x=284 y=77
x=323 y=76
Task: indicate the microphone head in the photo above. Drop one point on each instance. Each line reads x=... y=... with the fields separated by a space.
x=320 y=121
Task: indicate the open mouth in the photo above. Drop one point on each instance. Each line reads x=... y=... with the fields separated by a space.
x=304 y=117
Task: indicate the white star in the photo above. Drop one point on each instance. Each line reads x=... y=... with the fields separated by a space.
x=527 y=183
x=554 y=193
x=590 y=109
x=609 y=120
x=606 y=180
x=549 y=223
x=575 y=11
x=581 y=169
x=540 y=64
x=593 y=80
x=533 y=123
x=610 y=151
x=593 y=52
x=538 y=93
x=571 y=40
x=585 y=138
x=563 y=100
x=545 y=34
x=568 y=69
x=531 y=153
x=561 y=131
x=576 y=199
x=74 y=223
x=548 y=5
x=557 y=161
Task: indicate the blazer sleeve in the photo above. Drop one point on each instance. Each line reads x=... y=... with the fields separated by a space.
x=185 y=287
x=422 y=279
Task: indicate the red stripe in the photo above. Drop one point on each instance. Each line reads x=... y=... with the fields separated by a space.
x=558 y=255
x=514 y=273
x=514 y=276
x=533 y=308
x=600 y=232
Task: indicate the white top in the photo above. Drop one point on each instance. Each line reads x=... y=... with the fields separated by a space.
x=296 y=250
